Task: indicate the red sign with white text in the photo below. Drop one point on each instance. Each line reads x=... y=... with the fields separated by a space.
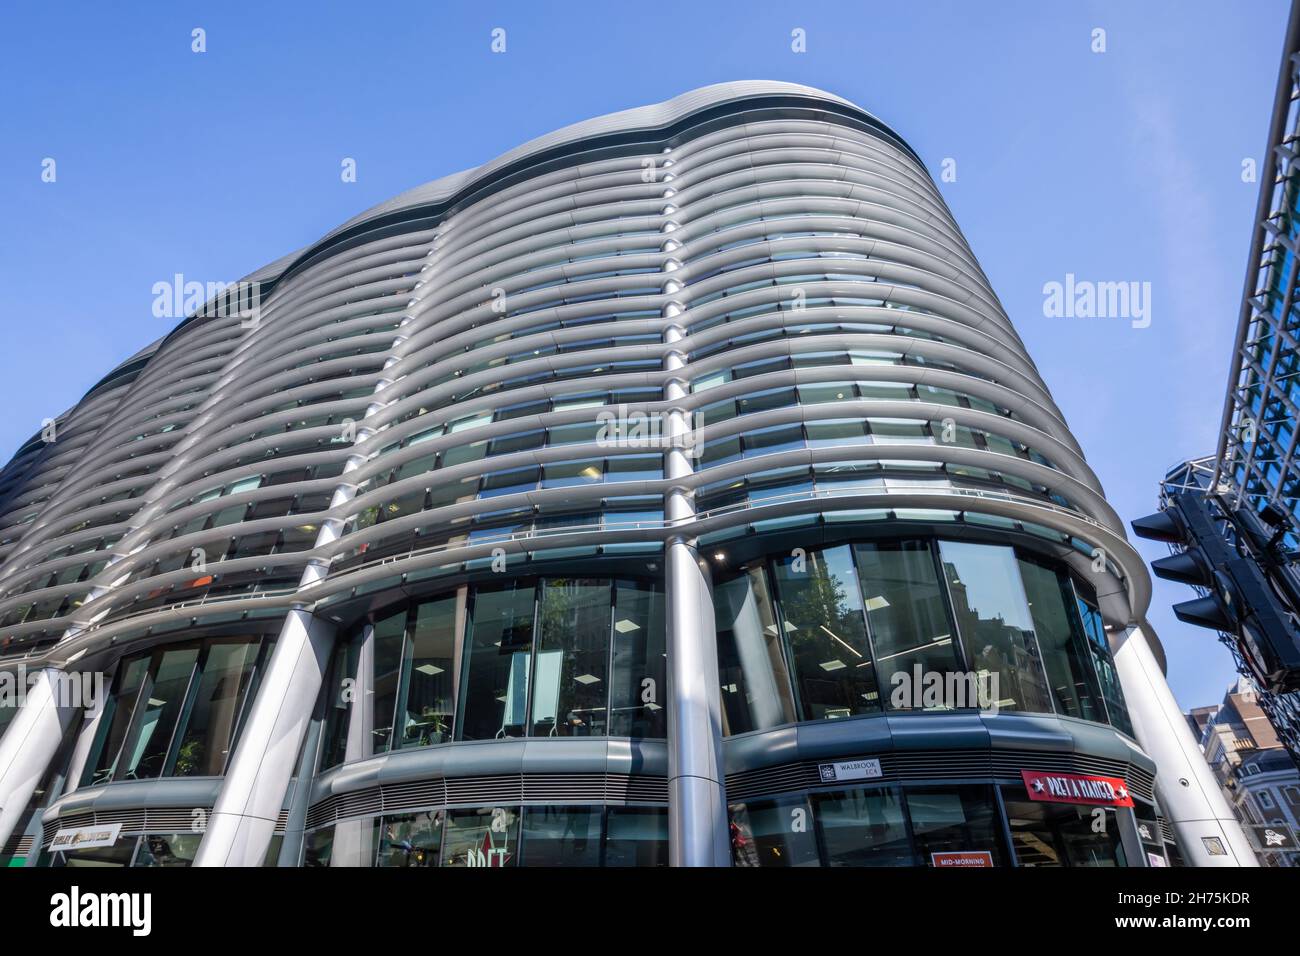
x=950 y=860
x=1076 y=788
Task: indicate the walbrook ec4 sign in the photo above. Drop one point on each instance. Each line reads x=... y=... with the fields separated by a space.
x=1076 y=788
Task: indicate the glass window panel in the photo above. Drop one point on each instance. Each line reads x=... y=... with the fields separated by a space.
x=570 y=685
x=1061 y=834
x=341 y=692
x=561 y=836
x=115 y=721
x=428 y=669
x=952 y=819
x=755 y=683
x=773 y=833
x=636 y=836
x=385 y=673
x=318 y=847
x=145 y=750
x=498 y=652
x=1072 y=678
x=1107 y=676
x=484 y=837
x=120 y=854
x=822 y=608
x=205 y=742
x=994 y=621
x=639 y=675
x=908 y=617
x=411 y=839
x=862 y=828
x=167 y=849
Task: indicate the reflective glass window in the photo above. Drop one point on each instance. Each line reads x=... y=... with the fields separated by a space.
x=411 y=839
x=1061 y=834
x=908 y=618
x=380 y=684
x=1104 y=664
x=561 y=836
x=954 y=819
x=115 y=721
x=994 y=621
x=167 y=849
x=862 y=828
x=498 y=653
x=639 y=673
x=751 y=662
x=487 y=836
x=773 y=833
x=427 y=705
x=570 y=670
x=636 y=836
x=822 y=610
x=210 y=729
x=145 y=750
x=1072 y=678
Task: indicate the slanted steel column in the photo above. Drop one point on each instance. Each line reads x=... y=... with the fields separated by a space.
x=1185 y=786
x=31 y=742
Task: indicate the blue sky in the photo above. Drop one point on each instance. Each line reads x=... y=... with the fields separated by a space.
x=1115 y=166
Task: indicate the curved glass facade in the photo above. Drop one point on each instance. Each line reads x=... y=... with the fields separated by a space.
x=859 y=628
x=686 y=445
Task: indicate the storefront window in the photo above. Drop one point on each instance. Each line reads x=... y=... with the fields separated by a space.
x=318 y=847
x=1061 y=834
x=561 y=836
x=908 y=619
x=862 y=828
x=636 y=836
x=994 y=621
x=167 y=849
x=639 y=681
x=1072 y=678
x=482 y=837
x=498 y=651
x=411 y=839
x=822 y=610
x=954 y=820
x=751 y=662
x=775 y=832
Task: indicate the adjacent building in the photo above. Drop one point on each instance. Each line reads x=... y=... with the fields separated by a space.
x=671 y=489
x=1259 y=778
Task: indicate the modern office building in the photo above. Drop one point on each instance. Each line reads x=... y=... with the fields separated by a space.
x=672 y=488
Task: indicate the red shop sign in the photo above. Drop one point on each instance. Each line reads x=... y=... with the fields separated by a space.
x=1076 y=788
x=948 y=860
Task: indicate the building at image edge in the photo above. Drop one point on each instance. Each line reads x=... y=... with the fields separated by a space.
x=596 y=505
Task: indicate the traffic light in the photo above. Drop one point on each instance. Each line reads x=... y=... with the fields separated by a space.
x=1249 y=593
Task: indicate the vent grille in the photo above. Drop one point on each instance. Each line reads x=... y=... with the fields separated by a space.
x=502 y=789
x=940 y=764
x=17 y=846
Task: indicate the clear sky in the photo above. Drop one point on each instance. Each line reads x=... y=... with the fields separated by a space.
x=1117 y=166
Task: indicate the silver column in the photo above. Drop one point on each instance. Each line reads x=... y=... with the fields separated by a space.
x=30 y=743
x=243 y=821
x=697 y=805
x=1185 y=786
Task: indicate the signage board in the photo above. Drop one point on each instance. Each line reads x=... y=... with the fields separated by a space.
x=85 y=838
x=1076 y=788
x=963 y=858
x=868 y=769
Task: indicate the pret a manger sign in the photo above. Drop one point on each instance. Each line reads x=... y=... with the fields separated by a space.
x=1076 y=788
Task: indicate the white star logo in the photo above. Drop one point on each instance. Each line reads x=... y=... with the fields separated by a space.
x=1038 y=786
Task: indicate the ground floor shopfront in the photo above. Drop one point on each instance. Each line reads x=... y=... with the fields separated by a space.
x=923 y=823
